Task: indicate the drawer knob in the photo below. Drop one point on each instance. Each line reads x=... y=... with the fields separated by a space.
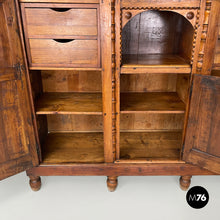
x=190 y=15
x=63 y=40
x=60 y=9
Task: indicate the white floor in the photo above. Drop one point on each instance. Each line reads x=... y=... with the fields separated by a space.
x=150 y=198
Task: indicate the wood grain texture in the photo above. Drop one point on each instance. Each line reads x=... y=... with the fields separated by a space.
x=60 y=1
x=202 y=142
x=118 y=169
x=46 y=22
x=18 y=146
x=75 y=123
x=69 y=103
x=71 y=81
x=73 y=148
x=78 y=53
x=150 y=145
x=160 y=3
x=157 y=32
x=154 y=63
x=148 y=82
x=151 y=121
x=154 y=102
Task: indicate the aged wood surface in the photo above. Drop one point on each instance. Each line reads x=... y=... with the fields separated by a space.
x=202 y=143
x=54 y=52
x=112 y=183
x=163 y=102
x=160 y=3
x=74 y=22
x=18 y=146
x=71 y=81
x=185 y=182
x=150 y=145
x=151 y=121
x=69 y=103
x=73 y=148
x=118 y=169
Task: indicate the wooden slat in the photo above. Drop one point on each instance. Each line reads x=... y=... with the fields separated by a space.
x=7 y=74
x=73 y=148
x=154 y=63
x=69 y=103
x=150 y=145
x=155 y=102
x=119 y=169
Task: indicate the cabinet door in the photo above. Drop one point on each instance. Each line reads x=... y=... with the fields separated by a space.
x=202 y=141
x=18 y=146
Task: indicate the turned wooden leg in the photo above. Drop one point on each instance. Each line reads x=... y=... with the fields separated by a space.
x=35 y=183
x=112 y=183
x=185 y=182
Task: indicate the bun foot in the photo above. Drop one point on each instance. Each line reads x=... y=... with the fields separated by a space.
x=35 y=183
x=112 y=183
x=185 y=182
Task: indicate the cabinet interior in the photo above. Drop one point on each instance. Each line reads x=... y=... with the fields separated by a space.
x=68 y=107
x=157 y=38
x=153 y=102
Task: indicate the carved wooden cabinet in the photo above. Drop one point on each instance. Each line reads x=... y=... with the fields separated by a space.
x=112 y=88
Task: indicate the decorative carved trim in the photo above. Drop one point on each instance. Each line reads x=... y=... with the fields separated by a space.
x=195 y=36
x=113 y=78
x=203 y=36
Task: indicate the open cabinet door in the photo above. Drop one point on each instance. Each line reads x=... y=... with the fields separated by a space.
x=18 y=146
x=202 y=141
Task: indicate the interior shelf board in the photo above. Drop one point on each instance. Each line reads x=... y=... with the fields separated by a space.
x=154 y=63
x=151 y=102
x=150 y=146
x=69 y=103
x=61 y=148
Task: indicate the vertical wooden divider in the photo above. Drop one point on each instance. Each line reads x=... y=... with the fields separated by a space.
x=117 y=73
x=106 y=62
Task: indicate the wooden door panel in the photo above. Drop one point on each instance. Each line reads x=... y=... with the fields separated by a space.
x=202 y=142
x=18 y=146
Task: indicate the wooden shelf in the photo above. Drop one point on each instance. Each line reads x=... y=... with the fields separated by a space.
x=154 y=63
x=151 y=102
x=69 y=103
x=150 y=146
x=73 y=148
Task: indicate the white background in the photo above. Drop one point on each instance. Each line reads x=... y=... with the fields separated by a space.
x=87 y=198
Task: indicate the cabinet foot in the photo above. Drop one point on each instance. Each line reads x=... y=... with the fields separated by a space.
x=185 y=182
x=112 y=183
x=35 y=183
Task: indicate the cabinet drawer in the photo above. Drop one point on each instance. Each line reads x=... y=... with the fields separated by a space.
x=57 y=20
x=63 y=53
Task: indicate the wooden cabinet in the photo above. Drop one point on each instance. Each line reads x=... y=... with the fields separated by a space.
x=109 y=88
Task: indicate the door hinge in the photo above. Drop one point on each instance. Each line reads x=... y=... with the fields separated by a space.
x=18 y=71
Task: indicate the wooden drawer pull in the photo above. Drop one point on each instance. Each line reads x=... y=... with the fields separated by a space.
x=63 y=40
x=60 y=9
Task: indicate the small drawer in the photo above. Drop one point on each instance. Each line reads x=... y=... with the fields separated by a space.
x=57 y=20
x=63 y=53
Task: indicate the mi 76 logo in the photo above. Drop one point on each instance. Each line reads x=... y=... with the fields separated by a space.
x=197 y=197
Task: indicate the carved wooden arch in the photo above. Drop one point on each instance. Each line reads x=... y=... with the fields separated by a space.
x=191 y=14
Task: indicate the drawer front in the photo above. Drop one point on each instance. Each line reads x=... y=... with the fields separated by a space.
x=60 y=21
x=64 y=53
